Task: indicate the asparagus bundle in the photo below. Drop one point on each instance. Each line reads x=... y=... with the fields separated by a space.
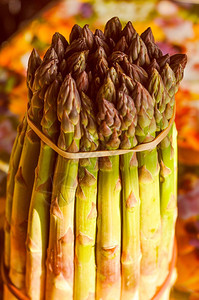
x=107 y=230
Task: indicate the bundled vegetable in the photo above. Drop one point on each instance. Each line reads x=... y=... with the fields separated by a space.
x=95 y=227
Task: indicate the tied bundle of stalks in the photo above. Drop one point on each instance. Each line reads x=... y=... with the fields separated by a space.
x=96 y=227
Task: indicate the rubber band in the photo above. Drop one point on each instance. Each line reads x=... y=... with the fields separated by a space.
x=160 y=291
x=77 y=155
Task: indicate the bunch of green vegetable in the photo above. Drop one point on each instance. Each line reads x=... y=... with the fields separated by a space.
x=94 y=228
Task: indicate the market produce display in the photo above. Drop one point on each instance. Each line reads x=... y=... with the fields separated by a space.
x=95 y=228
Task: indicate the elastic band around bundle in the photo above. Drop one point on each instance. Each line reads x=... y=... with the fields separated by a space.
x=89 y=154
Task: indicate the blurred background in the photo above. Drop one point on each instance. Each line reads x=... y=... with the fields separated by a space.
x=175 y=24
x=13 y=13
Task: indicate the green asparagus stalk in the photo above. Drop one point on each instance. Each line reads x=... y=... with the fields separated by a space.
x=13 y=166
x=150 y=222
x=168 y=198
x=85 y=218
x=168 y=176
x=24 y=178
x=33 y=63
x=38 y=219
x=131 y=253
x=109 y=206
x=60 y=255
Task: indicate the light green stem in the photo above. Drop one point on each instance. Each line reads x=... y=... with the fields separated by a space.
x=150 y=221
x=60 y=258
x=13 y=166
x=38 y=224
x=24 y=180
x=108 y=230
x=85 y=268
x=168 y=200
x=130 y=226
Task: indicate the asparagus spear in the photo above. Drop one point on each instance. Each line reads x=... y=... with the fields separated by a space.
x=85 y=218
x=33 y=63
x=130 y=200
x=24 y=178
x=38 y=220
x=168 y=200
x=13 y=166
x=168 y=177
x=150 y=223
x=60 y=255
x=109 y=214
